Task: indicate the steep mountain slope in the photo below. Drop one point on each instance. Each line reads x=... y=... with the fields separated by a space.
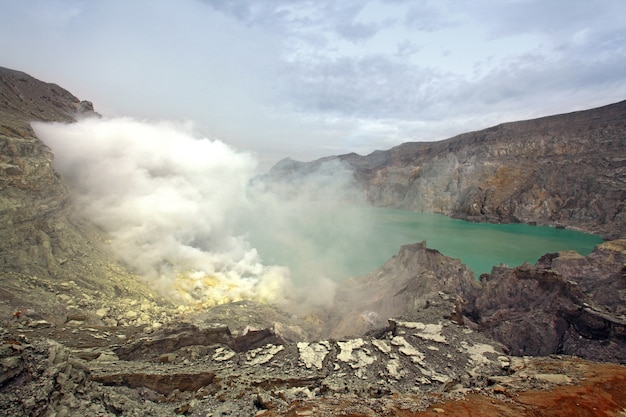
x=55 y=267
x=567 y=169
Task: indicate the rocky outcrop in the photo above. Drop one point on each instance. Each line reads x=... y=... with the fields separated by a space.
x=566 y=303
x=25 y=162
x=55 y=266
x=409 y=357
x=560 y=170
x=416 y=279
x=44 y=378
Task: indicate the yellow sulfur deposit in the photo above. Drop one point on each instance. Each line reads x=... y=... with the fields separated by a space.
x=205 y=291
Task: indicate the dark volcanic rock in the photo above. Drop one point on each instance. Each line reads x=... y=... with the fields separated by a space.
x=173 y=338
x=164 y=383
x=566 y=170
x=47 y=380
x=249 y=320
x=566 y=303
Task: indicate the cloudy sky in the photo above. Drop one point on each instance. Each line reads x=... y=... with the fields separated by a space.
x=313 y=78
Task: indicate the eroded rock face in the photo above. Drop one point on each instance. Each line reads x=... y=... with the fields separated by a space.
x=408 y=282
x=55 y=266
x=173 y=338
x=559 y=170
x=408 y=357
x=47 y=379
x=26 y=173
x=566 y=303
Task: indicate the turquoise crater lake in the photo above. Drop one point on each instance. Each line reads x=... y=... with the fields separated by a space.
x=353 y=242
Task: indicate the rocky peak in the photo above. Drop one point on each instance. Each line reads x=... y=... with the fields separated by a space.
x=25 y=162
x=55 y=266
x=26 y=99
x=416 y=279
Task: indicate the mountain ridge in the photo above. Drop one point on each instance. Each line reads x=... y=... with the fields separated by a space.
x=560 y=170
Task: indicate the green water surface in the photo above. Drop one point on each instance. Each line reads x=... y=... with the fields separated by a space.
x=358 y=240
x=481 y=245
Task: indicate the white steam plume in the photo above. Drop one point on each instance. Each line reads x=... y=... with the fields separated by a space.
x=181 y=210
x=171 y=203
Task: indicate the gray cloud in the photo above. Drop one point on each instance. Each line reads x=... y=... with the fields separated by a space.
x=373 y=86
x=357 y=31
x=297 y=18
x=552 y=17
x=302 y=78
x=429 y=17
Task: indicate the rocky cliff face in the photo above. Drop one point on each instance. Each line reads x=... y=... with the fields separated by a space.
x=55 y=266
x=566 y=303
x=559 y=170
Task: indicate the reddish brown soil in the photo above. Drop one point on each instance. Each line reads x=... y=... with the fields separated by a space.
x=601 y=394
x=599 y=390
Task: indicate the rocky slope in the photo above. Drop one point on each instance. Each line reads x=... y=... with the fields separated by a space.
x=426 y=360
x=80 y=335
x=414 y=280
x=397 y=371
x=565 y=170
x=565 y=304
x=55 y=266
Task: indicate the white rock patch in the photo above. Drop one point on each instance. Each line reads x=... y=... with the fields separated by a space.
x=263 y=354
x=407 y=349
x=313 y=354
